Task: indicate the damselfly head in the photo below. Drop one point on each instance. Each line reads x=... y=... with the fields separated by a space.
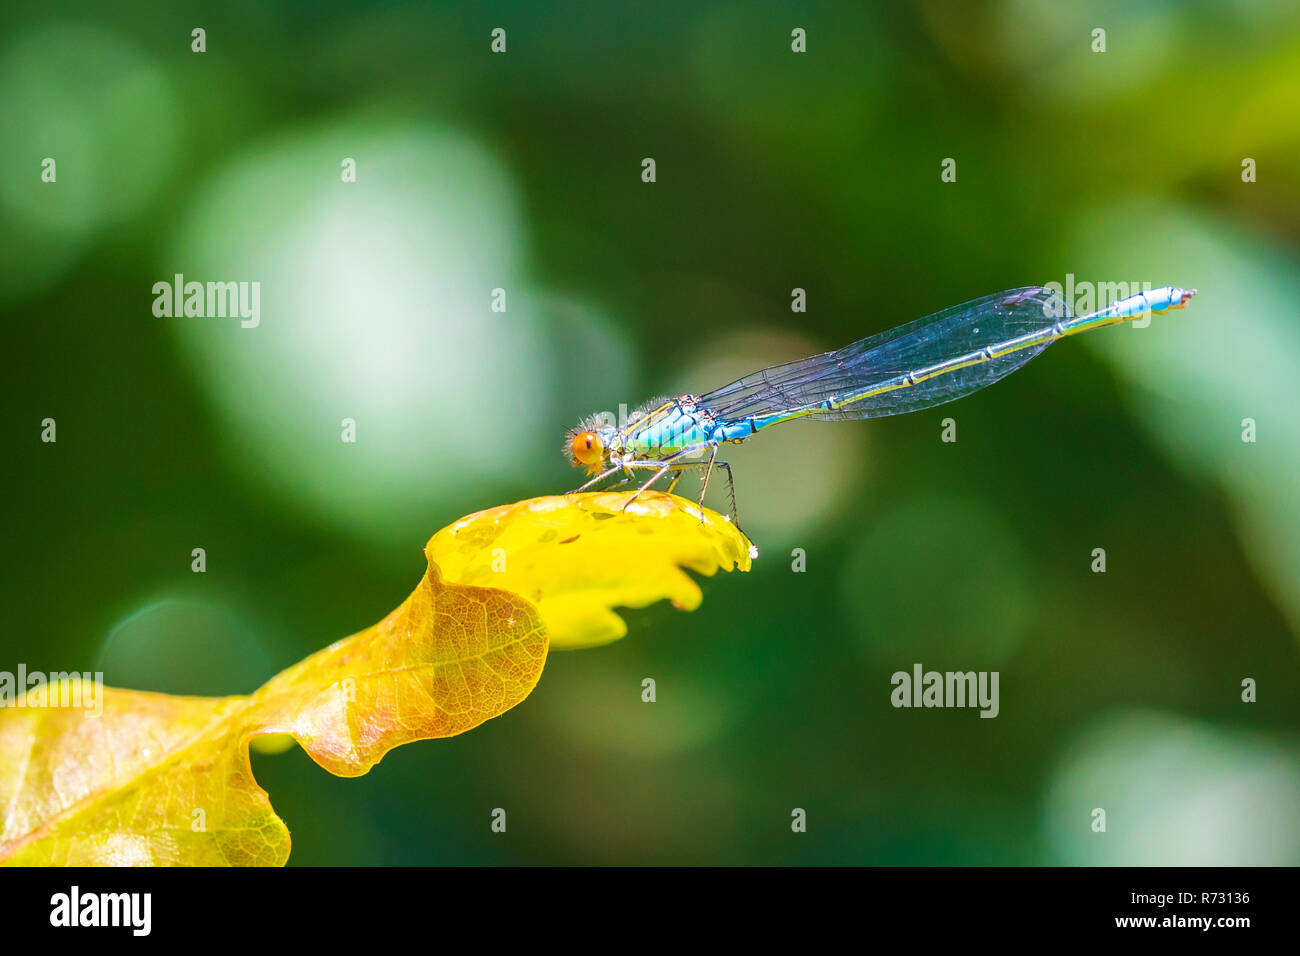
x=587 y=448
x=1186 y=295
x=592 y=442
x=588 y=445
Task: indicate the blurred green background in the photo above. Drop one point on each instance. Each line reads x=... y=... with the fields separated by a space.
x=775 y=170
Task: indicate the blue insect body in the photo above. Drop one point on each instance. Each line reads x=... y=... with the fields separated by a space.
x=924 y=363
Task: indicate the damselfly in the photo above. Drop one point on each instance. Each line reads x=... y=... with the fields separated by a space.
x=925 y=363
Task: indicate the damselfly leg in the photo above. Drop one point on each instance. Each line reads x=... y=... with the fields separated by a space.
x=678 y=468
x=663 y=465
x=597 y=480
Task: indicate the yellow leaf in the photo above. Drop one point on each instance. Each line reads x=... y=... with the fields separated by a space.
x=156 y=779
x=574 y=557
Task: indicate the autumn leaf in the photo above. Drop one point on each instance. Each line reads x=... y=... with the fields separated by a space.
x=568 y=557
x=157 y=779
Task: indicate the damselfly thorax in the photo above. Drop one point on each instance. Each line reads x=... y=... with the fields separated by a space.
x=671 y=428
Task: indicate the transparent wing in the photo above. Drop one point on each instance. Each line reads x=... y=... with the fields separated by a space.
x=874 y=361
